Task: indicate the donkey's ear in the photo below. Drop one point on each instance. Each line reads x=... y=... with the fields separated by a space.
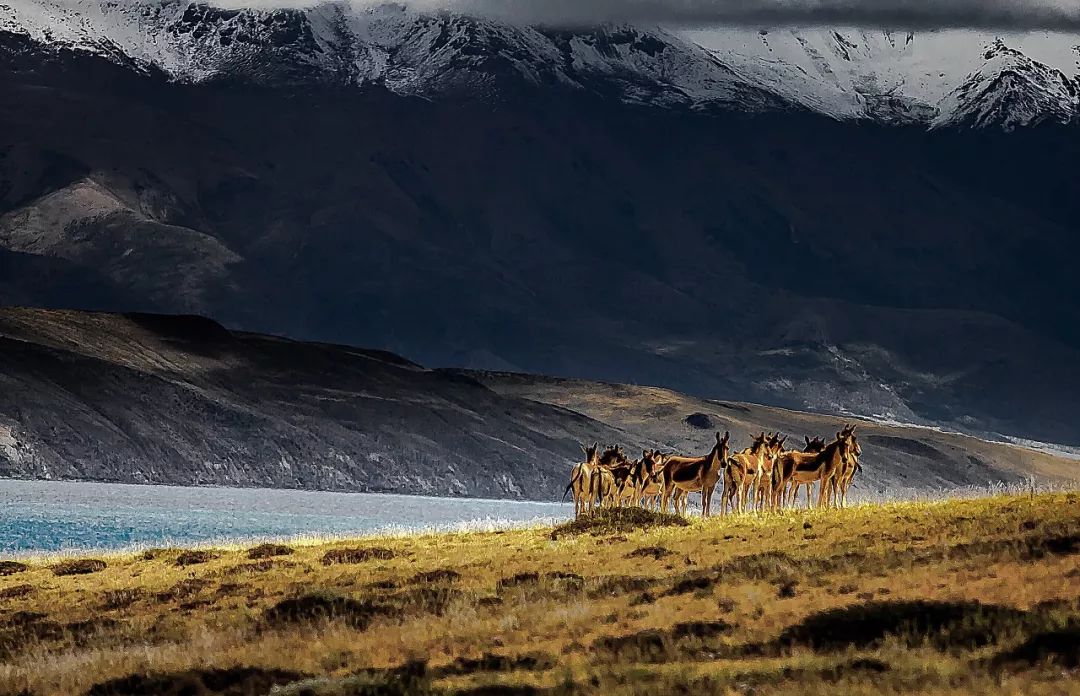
x=584 y=449
x=807 y=438
x=727 y=436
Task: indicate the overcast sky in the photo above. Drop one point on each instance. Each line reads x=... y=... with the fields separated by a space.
x=892 y=14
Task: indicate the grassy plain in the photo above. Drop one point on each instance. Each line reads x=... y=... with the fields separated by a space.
x=955 y=597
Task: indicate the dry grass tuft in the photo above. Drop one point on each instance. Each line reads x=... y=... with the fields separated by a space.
x=237 y=681
x=81 y=566
x=195 y=557
x=268 y=551
x=323 y=607
x=121 y=598
x=12 y=567
x=439 y=575
x=616 y=520
x=357 y=555
x=16 y=591
x=653 y=552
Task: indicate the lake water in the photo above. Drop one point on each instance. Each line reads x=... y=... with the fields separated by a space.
x=53 y=516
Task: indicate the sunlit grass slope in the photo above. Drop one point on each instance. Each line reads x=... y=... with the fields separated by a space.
x=972 y=596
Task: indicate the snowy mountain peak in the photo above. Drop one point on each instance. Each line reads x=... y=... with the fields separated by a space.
x=954 y=78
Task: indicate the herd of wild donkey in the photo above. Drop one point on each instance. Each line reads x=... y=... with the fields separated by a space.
x=764 y=475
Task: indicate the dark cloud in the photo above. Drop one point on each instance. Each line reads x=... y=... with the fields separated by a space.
x=1060 y=15
x=893 y=14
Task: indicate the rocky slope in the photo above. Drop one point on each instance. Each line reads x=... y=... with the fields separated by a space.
x=180 y=400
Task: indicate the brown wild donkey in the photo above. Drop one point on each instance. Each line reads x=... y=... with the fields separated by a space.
x=842 y=482
x=612 y=476
x=647 y=479
x=763 y=488
x=582 y=481
x=783 y=473
x=743 y=471
x=826 y=466
x=691 y=474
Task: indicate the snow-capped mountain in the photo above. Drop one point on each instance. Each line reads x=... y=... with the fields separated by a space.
x=944 y=78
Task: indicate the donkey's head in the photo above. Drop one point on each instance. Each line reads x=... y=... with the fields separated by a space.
x=852 y=449
x=591 y=452
x=722 y=447
x=815 y=445
x=776 y=446
x=849 y=443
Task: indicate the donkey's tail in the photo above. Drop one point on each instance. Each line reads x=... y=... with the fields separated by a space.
x=573 y=479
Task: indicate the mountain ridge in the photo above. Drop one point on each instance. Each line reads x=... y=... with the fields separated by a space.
x=784 y=257
x=954 y=78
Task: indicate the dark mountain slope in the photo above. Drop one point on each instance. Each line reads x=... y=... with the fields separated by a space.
x=180 y=400
x=782 y=258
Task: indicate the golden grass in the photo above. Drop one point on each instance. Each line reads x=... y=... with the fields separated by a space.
x=932 y=598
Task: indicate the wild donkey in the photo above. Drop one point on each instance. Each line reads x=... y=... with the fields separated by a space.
x=743 y=472
x=693 y=474
x=784 y=472
x=826 y=467
x=582 y=481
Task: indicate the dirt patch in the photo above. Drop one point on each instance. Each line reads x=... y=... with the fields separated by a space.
x=238 y=681
x=654 y=552
x=439 y=575
x=320 y=607
x=268 y=551
x=16 y=591
x=357 y=555
x=12 y=567
x=943 y=625
x=121 y=598
x=615 y=520
x=187 y=558
x=1060 y=648
x=700 y=421
x=81 y=566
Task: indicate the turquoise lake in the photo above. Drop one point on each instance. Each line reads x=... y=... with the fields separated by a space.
x=42 y=516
